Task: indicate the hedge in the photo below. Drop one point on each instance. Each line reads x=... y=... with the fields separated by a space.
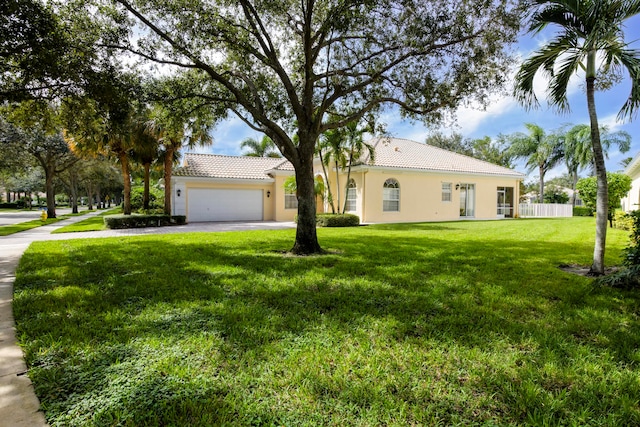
x=582 y=211
x=339 y=220
x=10 y=205
x=141 y=221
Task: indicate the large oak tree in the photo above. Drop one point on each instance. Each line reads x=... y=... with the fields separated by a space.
x=296 y=69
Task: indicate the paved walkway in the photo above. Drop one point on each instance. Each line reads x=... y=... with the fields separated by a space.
x=19 y=406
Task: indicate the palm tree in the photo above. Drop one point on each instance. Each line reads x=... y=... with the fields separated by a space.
x=173 y=130
x=322 y=150
x=354 y=147
x=145 y=151
x=589 y=30
x=540 y=150
x=263 y=148
x=579 y=152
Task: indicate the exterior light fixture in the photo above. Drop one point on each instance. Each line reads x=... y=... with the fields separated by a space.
x=457 y=187
x=178 y=192
x=268 y=194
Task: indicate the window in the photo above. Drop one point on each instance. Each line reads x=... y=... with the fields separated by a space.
x=446 y=191
x=351 y=197
x=391 y=196
x=290 y=200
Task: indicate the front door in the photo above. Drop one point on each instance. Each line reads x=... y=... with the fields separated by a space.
x=467 y=200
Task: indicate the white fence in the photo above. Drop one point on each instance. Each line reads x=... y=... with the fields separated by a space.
x=544 y=210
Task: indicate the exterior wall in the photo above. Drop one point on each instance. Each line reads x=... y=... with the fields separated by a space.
x=632 y=201
x=183 y=184
x=277 y=195
x=421 y=195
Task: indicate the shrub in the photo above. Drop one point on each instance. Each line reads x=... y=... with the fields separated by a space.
x=582 y=211
x=156 y=198
x=9 y=205
x=141 y=221
x=628 y=277
x=136 y=221
x=179 y=219
x=339 y=220
x=622 y=221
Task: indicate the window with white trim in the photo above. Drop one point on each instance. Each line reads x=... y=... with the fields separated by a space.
x=352 y=197
x=290 y=200
x=446 y=191
x=391 y=196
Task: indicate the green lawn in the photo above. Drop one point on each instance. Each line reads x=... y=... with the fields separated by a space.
x=6 y=230
x=461 y=323
x=95 y=223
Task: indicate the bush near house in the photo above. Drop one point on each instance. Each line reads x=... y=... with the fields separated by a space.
x=339 y=220
x=141 y=221
x=582 y=211
x=622 y=221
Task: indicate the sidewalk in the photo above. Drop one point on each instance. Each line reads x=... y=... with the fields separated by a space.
x=19 y=406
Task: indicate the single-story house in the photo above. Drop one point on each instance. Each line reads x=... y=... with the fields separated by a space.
x=404 y=181
x=632 y=201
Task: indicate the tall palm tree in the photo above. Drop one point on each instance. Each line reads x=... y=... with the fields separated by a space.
x=579 y=152
x=174 y=129
x=589 y=29
x=354 y=147
x=263 y=148
x=541 y=150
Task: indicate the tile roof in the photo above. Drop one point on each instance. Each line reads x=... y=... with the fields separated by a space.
x=395 y=153
x=231 y=167
x=407 y=154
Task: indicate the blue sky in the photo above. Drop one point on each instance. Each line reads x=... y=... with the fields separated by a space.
x=503 y=115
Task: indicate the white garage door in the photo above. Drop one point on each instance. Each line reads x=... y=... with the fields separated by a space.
x=224 y=205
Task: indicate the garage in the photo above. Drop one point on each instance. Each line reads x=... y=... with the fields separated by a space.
x=224 y=205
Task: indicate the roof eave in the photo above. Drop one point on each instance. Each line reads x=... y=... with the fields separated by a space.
x=515 y=175
x=223 y=180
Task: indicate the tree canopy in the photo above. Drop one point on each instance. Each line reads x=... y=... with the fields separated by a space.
x=304 y=67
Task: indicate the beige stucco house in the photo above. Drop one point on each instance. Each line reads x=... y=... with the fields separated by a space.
x=632 y=201
x=405 y=181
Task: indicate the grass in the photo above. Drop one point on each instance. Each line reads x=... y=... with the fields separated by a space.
x=6 y=230
x=465 y=323
x=95 y=223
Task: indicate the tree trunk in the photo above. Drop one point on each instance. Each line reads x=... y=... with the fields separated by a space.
x=51 y=196
x=541 y=170
x=124 y=163
x=346 y=187
x=338 y=184
x=89 y=196
x=145 y=194
x=574 y=183
x=327 y=183
x=306 y=237
x=602 y=199
x=168 y=170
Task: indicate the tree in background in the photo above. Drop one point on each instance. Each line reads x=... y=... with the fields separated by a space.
x=618 y=186
x=486 y=149
x=288 y=67
x=180 y=120
x=588 y=30
x=33 y=127
x=263 y=148
x=578 y=149
x=541 y=151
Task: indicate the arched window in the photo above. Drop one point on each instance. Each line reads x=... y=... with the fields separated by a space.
x=391 y=196
x=352 y=196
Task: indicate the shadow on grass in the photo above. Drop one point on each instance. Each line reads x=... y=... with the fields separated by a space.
x=160 y=330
